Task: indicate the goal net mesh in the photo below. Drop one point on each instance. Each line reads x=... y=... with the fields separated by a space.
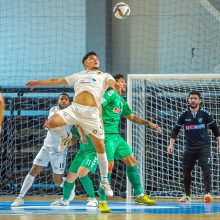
x=160 y=101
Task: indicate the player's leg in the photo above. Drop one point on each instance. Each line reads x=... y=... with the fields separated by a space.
x=189 y=160
x=204 y=159
x=89 y=164
x=69 y=183
x=28 y=181
x=124 y=153
x=103 y=164
x=40 y=161
x=110 y=146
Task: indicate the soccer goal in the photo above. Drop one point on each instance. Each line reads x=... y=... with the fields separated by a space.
x=160 y=98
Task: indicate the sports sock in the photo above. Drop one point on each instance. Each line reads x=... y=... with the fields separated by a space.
x=64 y=179
x=103 y=164
x=134 y=179
x=28 y=181
x=88 y=186
x=187 y=180
x=102 y=196
x=67 y=189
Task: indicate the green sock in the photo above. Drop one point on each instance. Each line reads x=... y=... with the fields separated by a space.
x=102 y=196
x=134 y=179
x=67 y=189
x=88 y=186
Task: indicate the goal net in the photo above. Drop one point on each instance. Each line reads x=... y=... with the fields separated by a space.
x=160 y=98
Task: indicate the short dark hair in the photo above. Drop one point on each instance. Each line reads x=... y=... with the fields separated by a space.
x=63 y=93
x=194 y=92
x=87 y=55
x=118 y=76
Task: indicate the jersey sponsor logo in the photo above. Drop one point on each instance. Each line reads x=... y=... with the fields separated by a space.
x=195 y=127
x=188 y=119
x=117 y=110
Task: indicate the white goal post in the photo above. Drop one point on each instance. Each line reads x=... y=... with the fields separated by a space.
x=160 y=98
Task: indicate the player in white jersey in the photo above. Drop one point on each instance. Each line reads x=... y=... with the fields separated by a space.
x=89 y=87
x=49 y=153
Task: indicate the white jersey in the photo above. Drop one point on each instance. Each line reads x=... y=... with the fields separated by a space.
x=53 y=139
x=94 y=82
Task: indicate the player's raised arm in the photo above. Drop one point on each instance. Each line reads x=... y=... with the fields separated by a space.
x=142 y=121
x=47 y=82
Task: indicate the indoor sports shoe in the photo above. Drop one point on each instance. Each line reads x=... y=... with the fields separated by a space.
x=207 y=198
x=185 y=198
x=92 y=202
x=145 y=199
x=103 y=207
x=65 y=141
x=72 y=194
x=60 y=202
x=105 y=185
x=18 y=202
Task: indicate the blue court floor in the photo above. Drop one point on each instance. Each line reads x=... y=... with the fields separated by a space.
x=44 y=208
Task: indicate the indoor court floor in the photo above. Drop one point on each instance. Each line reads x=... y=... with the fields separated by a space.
x=164 y=210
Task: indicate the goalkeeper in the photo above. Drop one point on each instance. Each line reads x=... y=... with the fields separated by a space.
x=50 y=152
x=196 y=121
x=113 y=107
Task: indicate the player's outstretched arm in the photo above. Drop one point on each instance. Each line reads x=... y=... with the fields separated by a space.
x=47 y=82
x=142 y=121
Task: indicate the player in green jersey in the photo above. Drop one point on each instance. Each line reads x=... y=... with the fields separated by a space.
x=113 y=107
x=84 y=162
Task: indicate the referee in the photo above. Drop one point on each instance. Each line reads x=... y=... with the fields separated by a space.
x=196 y=122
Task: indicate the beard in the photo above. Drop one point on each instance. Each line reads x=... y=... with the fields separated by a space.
x=62 y=106
x=193 y=106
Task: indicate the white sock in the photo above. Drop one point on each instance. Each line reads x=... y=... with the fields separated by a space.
x=28 y=181
x=103 y=165
x=64 y=179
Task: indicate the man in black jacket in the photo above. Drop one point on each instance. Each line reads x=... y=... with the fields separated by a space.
x=196 y=122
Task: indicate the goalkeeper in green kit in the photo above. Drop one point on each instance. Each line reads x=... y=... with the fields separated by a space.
x=113 y=107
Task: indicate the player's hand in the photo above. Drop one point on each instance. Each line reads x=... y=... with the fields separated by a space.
x=32 y=84
x=218 y=148
x=83 y=140
x=46 y=126
x=170 y=149
x=155 y=127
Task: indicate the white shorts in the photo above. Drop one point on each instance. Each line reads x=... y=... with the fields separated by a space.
x=49 y=154
x=85 y=116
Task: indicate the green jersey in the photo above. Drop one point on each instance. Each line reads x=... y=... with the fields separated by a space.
x=85 y=147
x=113 y=107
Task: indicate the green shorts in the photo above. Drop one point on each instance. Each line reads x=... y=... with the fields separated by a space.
x=116 y=147
x=84 y=159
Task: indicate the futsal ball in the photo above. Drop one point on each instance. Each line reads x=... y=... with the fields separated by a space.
x=121 y=10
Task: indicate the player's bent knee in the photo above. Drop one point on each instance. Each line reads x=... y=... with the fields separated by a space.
x=35 y=170
x=83 y=171
x=130 y=160
x=55 y=121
